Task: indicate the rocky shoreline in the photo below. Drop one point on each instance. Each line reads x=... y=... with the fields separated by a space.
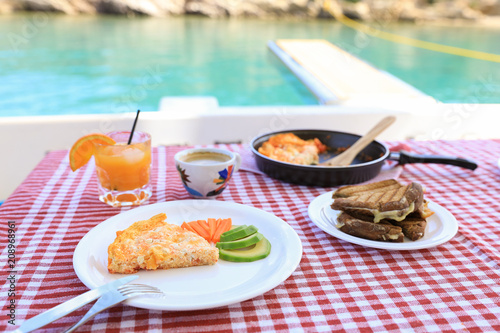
x=366 y=10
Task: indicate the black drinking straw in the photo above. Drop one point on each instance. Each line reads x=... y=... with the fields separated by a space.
x=133 y=127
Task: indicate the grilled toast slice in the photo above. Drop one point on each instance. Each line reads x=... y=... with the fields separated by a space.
x=383 y=231
x=382 y=200
x=350 y=190
x=413 y=226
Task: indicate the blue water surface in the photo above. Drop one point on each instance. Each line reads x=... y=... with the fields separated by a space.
x=56 y=64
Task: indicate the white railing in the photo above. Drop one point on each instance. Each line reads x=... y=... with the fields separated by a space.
x=25 y=140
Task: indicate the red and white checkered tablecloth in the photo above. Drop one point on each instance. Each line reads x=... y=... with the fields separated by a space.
x=337 y=286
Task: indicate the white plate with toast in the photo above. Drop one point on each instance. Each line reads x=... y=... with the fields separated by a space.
x=441 y=226
x=200 y=287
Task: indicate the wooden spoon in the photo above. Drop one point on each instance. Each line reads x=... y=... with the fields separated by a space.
x=346 y=157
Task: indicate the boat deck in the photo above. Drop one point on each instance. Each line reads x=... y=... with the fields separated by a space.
x=335 y=75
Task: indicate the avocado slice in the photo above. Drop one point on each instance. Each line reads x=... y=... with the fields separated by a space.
x=258 y=251
x=234 y=228
x=233 y=235
x=242 y=242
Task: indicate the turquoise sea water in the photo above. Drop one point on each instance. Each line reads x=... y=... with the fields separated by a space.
x=54 y=64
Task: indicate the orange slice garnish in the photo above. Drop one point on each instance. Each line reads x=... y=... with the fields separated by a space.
x=83 y=149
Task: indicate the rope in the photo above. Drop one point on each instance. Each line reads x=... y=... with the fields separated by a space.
x=339 y=16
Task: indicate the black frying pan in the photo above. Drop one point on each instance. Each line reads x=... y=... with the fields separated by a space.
x=365 y=166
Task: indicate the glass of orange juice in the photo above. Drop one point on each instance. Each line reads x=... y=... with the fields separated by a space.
x=123 y=170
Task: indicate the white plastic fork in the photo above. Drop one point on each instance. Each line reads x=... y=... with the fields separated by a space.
x=114 y=297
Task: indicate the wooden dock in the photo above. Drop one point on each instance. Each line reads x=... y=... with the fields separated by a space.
x=335 y=76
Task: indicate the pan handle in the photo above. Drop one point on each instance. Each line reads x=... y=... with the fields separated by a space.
x=404 y=157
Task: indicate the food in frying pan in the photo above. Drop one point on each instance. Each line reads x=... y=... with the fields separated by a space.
x=287 y=147
x=388 y=203
x=155 y=244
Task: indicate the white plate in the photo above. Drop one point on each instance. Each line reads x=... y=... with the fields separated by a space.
x=201 y=287
x=441 y=226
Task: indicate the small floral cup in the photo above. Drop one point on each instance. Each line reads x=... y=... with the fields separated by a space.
x=205 y=172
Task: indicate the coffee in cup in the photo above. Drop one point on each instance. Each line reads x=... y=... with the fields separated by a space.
x=205 y=158
x=205 y=172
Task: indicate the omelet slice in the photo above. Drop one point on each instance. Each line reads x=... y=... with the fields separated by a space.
x=155 y=244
